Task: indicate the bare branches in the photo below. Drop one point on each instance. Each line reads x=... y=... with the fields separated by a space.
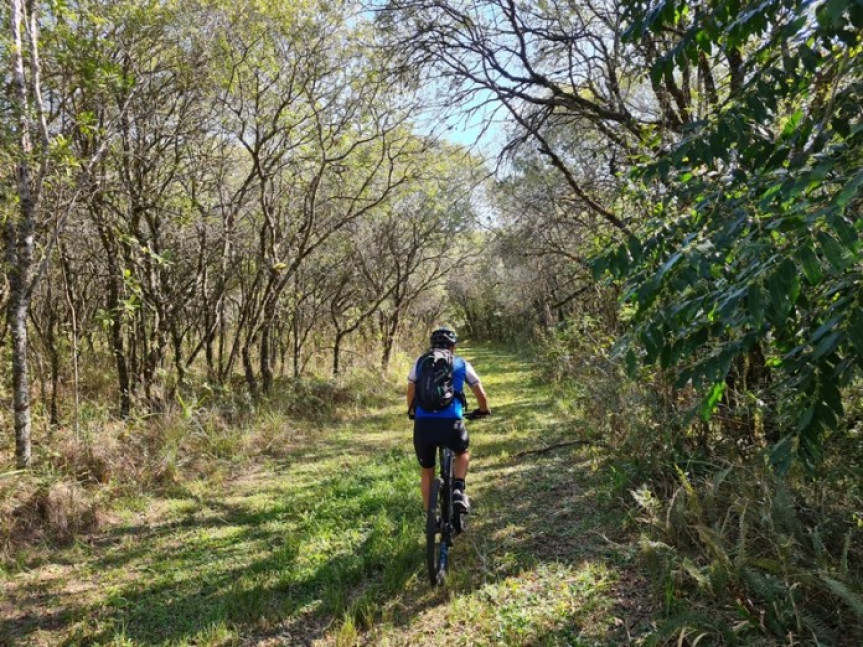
x=540 y=64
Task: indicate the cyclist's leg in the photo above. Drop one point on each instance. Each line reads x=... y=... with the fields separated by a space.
x=426 y=478
x=424 y=447
x=462 y=461
x=458 y=442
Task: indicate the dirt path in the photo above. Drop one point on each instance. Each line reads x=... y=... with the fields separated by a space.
x=324 y=546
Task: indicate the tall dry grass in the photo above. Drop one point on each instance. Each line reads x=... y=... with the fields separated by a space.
x=206 y=433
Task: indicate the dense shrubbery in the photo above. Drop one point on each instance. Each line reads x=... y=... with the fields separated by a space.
x=724 y=535
x=745 y=336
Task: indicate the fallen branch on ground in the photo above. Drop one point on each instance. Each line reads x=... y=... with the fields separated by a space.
x=569 y=443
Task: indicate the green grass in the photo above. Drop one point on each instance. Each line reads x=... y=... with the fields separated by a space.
x=326 y=542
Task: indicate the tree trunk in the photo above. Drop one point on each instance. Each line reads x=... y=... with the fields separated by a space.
x=179 y=361
x=54 y=355
x=297 y=344
x=337 y=346
x=265 y=346
x=19 y=241
x=222 y=329
x=266 y=368
x=248 y=370
x=390 y=331
x=120 y=357
x=73 y=317
x=115 y=290
x=20 y=376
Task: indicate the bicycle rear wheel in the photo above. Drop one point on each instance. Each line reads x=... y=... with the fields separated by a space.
x=435 y=557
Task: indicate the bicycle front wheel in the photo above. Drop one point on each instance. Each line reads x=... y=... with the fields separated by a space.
x=433 y=523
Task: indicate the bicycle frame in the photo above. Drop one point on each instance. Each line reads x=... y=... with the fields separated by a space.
x=449 y=525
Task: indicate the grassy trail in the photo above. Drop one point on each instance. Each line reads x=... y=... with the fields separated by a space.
x=321 y=543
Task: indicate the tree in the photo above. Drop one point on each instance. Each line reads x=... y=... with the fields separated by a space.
x=40 y=156
x=752 y=256
x=196 y=173
x=549 y=66
x=31 y=165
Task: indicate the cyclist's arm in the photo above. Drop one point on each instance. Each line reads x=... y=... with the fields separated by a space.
x=479 y=394
x=412 y=387
x=410 y=394
x=472 y=380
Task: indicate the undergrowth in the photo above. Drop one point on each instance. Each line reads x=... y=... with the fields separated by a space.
x=206 y=433
x=737 y=553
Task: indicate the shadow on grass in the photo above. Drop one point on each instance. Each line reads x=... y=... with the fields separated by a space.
x=262 y=593
x=337 y=533
x=331 y=546
x=537 y=510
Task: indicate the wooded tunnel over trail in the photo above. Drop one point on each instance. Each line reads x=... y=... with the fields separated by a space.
x=227 y=227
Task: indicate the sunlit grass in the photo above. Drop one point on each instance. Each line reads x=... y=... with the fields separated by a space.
x=325 y=542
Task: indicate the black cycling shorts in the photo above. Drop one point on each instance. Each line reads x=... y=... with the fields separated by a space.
x=431 y=432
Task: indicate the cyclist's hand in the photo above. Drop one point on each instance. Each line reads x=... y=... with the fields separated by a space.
x=478 y=413
x=411 y=414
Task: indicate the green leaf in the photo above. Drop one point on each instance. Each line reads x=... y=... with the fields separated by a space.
x=755 y=304
x=651 y=345
x=598 y=266
x=846 y=233
x=855 y=331
x=772 y=190
x=806 y=419
x=849 y=190
x=832 y=250
x=826 y=345
x=714 y=396
x=811 y=265
x=792 y=122
x=831 y=396
x=829 y=14
x=635 y=249
x=824 y=328
x=783 y=288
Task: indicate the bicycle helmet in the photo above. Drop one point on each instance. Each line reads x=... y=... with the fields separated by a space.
x=443 y=337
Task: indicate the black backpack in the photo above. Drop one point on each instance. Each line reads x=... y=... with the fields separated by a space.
x=434 y=385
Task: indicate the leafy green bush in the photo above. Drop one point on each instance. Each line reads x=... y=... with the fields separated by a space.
x=749 y=252
x=643 y=418
x=738 y=553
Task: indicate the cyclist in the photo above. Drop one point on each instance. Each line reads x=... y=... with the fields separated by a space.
x=445 y=427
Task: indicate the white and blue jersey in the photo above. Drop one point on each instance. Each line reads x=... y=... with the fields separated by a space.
x=462 y=373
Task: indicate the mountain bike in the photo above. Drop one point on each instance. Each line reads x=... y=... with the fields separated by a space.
x=443 y=524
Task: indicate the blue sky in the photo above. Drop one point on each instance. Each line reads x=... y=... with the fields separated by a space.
x=463 y=124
